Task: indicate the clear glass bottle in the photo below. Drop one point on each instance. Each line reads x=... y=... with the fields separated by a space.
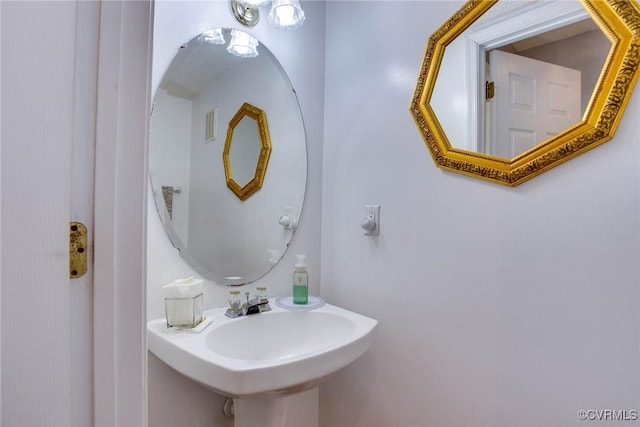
x=235 y=301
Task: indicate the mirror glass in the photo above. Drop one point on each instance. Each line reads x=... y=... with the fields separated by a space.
x=519 y=75
x=224 y=238
x=244 y=151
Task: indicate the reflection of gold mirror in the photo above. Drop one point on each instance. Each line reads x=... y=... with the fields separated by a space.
x=246 y=151
x=469 y=130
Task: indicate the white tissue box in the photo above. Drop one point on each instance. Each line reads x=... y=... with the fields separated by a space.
x=183 y=313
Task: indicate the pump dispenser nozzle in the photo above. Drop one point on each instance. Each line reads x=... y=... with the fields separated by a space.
x=301 y=262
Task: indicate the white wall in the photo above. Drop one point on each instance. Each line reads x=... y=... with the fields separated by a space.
x=301 y=55
x=497 y=306
x=169 y=160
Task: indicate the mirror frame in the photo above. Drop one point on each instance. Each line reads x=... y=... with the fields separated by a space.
x=255 y=113
x=619 y=20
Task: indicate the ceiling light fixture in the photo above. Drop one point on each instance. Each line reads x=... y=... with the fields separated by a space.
x=284 y=13
x=244 y=13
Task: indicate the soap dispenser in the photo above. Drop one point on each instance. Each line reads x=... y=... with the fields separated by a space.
x=300 y=281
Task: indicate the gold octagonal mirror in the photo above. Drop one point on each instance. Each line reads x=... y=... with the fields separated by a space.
x=246 y=151
x=510 y=89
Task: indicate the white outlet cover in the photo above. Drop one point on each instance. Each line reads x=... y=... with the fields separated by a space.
x=374 y=212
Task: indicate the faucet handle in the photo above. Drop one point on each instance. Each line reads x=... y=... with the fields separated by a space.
x=261 y=294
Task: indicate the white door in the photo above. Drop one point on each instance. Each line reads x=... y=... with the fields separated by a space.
x=73 y=110
x=534 y=100
x=46 y=317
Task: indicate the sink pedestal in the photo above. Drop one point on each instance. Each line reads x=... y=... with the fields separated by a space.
x=295 y=410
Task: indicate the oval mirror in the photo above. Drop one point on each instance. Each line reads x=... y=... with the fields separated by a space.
x=228 y=236
x=509 y=89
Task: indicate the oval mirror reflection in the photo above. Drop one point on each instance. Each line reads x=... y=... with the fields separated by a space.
x=224 y=238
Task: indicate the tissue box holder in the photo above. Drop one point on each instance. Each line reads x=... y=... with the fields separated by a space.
x=183 y=313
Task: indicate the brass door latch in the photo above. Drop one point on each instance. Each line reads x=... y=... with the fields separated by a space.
x=77 y=250
x=490 y=90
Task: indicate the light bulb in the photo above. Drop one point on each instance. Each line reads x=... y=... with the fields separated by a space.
x=243 y=45
x=286 y=13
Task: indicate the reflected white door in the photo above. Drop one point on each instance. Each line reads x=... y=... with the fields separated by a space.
x=534 y=100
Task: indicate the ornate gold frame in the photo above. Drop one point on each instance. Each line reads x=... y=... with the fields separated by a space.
x=255 y=184
x=618 y=19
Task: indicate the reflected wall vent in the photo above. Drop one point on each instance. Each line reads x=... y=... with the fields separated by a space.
x=211 y=125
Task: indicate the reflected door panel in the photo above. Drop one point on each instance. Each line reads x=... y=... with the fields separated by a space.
x=534 y=100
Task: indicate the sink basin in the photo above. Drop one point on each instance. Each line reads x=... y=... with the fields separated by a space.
x=275 y=353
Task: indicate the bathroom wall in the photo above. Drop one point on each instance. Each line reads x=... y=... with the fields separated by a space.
x=497 y=306
x=169 y=162
x=173 y=399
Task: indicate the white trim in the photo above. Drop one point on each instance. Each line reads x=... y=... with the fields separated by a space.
x=87 y=18
x=124 y=76
x=527 y=22
x=0 y=218
x=476 y=95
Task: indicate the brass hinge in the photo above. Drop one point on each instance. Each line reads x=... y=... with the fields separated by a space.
x=77 y=250
x=490 y=90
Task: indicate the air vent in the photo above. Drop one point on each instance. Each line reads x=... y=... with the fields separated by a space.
x=211 y=125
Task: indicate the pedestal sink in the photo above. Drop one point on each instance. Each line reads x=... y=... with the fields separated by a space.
x=265 y=360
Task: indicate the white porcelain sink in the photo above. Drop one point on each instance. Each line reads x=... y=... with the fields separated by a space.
x=268 y=354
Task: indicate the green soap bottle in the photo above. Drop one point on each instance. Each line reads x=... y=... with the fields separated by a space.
x=300 y=282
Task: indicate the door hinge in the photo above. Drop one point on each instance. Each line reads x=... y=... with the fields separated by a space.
x=77 y=250
x=490 y=90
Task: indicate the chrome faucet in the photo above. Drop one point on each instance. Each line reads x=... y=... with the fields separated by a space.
x=257 y=304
